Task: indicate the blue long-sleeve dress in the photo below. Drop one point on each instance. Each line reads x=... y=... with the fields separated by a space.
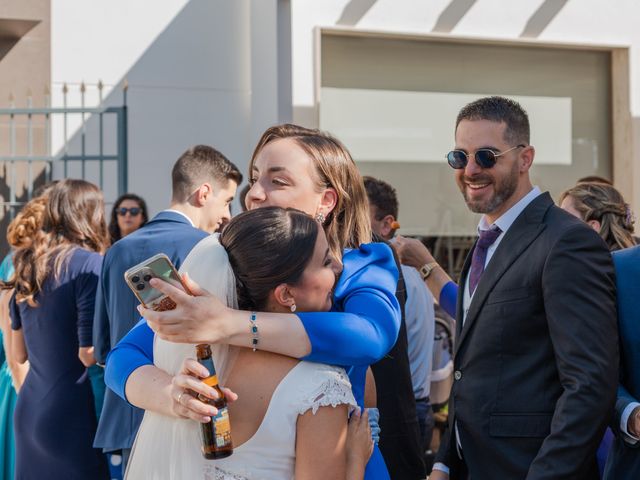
x=55 y=419
x=361 y=328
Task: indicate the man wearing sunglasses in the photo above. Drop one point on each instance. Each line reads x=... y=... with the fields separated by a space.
x=204 y=183
x=536 y=354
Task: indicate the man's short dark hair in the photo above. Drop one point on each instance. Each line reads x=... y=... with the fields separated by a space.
x=499 y=109
x=382 y=196
x=198 y=165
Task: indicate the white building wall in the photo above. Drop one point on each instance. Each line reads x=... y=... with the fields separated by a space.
x=587 y=22
x=188 y=64
x=578 y=22
x=217 y=71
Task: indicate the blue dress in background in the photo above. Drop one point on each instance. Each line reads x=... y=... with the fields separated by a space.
x=7 y=396
x=55 y=420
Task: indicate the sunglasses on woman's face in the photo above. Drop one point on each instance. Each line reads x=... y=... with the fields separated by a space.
x=134 y=211
x=485 y=157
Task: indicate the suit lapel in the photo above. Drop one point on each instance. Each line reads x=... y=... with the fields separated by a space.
x=524 y=230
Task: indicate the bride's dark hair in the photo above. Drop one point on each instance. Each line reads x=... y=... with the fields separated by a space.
x=267 y=247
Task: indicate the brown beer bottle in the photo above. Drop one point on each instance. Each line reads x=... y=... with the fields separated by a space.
x=215 y=435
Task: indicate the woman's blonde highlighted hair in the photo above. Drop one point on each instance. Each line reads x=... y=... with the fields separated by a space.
x=603 y=203
x=348 y=225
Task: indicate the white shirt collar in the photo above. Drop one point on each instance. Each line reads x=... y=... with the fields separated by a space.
x=180 y=213
x=507 y=218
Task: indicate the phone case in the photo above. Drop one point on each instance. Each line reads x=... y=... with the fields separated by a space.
x=138 y=277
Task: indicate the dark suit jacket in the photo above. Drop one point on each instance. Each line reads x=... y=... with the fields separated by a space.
x=536 y=361
x=169 y=233
x=624 y=460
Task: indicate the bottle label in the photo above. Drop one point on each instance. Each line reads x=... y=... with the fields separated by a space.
x=212 y=381
x=222 y=427
x=208 y=364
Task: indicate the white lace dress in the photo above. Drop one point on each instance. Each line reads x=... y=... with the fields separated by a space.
x=169 y=448
x=270 y=453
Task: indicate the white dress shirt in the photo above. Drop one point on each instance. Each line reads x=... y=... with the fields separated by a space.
x=624 y=422
x=181 y=213
x=420 y=321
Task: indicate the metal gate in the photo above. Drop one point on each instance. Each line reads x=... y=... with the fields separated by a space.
x=25 y=161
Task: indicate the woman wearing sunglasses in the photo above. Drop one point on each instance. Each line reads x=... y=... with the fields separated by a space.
x=129 y=214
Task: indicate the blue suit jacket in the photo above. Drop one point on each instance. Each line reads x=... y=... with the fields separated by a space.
x=169 y=233
x=624 y=459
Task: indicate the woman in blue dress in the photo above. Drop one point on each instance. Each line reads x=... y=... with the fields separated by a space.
x=305 y=169
x=52 y=315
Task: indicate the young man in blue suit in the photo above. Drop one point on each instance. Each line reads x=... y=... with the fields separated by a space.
x=624 y=458
x=204 y=183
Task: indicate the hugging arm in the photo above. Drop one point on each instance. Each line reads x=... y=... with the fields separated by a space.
x=132 y=352
x=414 y=253
x=360 y=334
x=367 y=323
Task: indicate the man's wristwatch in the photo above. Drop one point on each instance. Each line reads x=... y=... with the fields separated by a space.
x=426 y=269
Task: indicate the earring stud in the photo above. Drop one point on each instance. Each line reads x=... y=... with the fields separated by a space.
x=293 y=308
x=320 y=218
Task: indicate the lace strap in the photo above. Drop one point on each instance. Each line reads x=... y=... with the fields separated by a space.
x=328 y=386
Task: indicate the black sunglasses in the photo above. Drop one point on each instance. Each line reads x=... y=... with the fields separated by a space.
x=134 y=211
x=485 y=157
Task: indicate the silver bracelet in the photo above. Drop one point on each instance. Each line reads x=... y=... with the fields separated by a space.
x=254 y=331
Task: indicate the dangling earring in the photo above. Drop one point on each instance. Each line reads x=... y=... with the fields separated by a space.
x=320 y=218
x=293 y=308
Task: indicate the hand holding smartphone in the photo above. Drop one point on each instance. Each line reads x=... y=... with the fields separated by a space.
x=138 y=278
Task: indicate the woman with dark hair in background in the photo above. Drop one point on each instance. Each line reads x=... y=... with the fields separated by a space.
x=51 y=316
x=129 y=213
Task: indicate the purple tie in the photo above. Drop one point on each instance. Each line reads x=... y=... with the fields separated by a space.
x=485 y=240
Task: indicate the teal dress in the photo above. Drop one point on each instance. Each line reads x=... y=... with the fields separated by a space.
x=7 y=397
x=7 y=405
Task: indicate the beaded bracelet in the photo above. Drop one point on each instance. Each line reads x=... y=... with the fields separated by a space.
x=254 y=331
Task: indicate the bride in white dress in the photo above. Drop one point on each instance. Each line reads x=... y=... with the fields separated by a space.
x=290 y=418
